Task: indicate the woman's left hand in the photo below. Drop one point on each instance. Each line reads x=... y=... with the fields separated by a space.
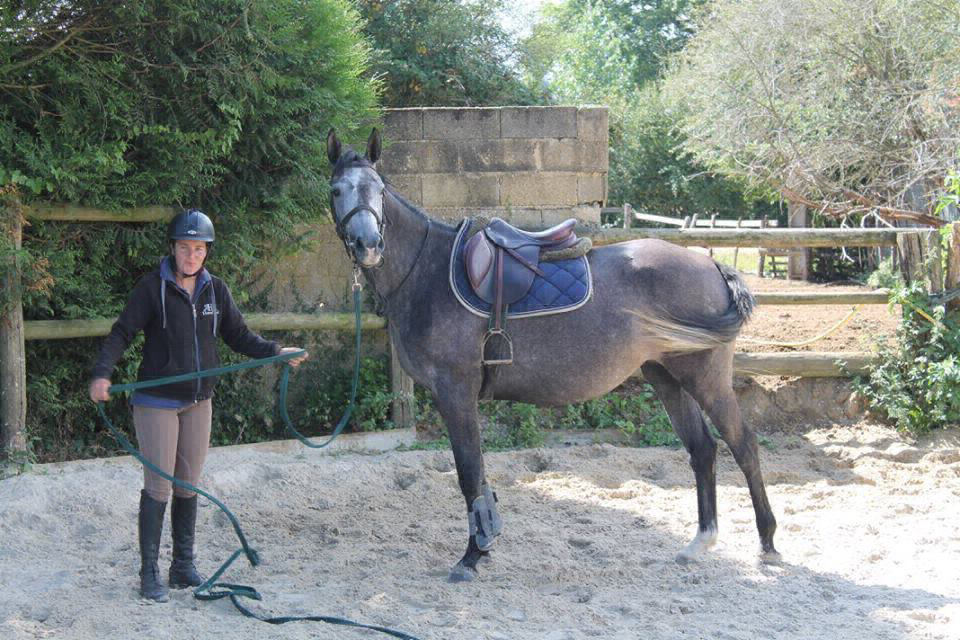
x=294 y=362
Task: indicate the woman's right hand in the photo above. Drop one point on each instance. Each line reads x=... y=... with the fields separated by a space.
x=99 y=390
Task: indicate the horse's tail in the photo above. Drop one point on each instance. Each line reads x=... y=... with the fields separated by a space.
x=703 y=331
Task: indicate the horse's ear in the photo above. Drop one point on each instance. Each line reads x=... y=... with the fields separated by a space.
x=333 y=147
x=373 y=147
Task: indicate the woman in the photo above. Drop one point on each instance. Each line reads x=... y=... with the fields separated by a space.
x=181 y=309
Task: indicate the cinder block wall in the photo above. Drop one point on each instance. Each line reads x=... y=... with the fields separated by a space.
x=534 y=166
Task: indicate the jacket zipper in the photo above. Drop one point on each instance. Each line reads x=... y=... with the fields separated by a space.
x=196 y=344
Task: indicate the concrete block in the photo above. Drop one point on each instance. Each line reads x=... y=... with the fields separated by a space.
x=587 y=214
x=573 y=155
x=438 y=156
x=456 y=214
x=592 y=188
x=523 y=217
x=403 y=124
x=538 y=189
x=420 y=156
x=461 y=124
x=452 y=190
x=593 y=124
x=410 y=187
x=539 y=122
x=400 y=158
x=498 y=155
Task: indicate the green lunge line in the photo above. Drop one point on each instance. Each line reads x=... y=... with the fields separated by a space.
x=211 y=589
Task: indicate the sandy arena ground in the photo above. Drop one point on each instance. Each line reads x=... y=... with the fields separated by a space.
x=869 y=531
x=799 y=323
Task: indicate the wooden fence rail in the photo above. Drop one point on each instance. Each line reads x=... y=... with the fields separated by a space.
x=13 y=331
x=770 y=238
x=333 y=321
x=97 y=327
x=629 y=213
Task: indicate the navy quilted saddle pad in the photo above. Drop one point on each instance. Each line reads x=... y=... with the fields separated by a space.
x=565 y=285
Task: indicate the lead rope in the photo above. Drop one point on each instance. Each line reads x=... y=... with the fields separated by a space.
x=211 y=589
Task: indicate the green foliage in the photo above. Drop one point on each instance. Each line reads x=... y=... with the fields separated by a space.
x=218 y=104
x=633 y=409
x=840 y=101
x=323 y=408
x=442 y=53
x=915 y=382
x=613 y=53
x=885 y=276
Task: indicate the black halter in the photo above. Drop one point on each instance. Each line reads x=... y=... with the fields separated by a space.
x=342 y=224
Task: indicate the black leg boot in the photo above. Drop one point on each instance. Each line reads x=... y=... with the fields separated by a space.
x=150 y=526
x=183 y=573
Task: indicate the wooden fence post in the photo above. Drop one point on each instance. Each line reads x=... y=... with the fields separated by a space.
x=713 y=225
x=798 y=261
x=920 y=258
x=736 y=250
x=403 y=405
x=952 y=278
x=13 y=374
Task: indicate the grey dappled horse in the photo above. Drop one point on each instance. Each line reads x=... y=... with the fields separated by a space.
x=671 y=312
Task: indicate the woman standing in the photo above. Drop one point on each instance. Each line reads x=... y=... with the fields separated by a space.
x=182 y=309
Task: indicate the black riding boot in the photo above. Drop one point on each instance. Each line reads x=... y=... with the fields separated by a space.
x=183 y=515
x=150 y=526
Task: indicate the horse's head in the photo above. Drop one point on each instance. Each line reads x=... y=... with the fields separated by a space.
x=356 y=199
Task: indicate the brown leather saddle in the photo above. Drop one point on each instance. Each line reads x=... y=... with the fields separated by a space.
x=501 y=262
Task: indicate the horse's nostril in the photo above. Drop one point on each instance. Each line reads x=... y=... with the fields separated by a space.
x=380 y=244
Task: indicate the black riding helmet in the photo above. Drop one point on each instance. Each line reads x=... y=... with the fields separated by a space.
x=191 y=224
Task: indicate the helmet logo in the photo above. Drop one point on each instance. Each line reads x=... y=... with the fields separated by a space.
x=192 y=232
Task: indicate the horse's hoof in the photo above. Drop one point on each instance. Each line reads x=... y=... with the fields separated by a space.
x=703 y=541
x=460 y=573
x=771 y=558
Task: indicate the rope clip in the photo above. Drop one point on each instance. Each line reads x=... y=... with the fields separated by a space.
x=356 y=279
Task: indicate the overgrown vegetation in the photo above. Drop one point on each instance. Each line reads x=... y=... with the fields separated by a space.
x=614 y=54
x=633 y=409
x=218 y=105
x=915 y=382
x=438 y=53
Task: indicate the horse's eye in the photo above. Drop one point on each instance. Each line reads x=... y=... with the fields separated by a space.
x=336 y=193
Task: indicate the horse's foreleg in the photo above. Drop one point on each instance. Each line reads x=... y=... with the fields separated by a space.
x=483 y=521
x=687 y=421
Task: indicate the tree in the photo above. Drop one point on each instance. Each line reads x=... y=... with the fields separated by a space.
x=850 y=107
x=443 y=53
x=218 y=104
x=613 y=53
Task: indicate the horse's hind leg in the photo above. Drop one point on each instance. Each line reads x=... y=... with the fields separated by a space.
x=688 y=422
x=459 y=411
x=708 y=377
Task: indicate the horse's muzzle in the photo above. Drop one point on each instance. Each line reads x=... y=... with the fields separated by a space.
x=368 y=251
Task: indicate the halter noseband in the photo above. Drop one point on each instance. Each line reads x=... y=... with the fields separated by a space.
x=342 y=224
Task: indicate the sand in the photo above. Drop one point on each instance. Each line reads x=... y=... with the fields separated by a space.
x=868 y=527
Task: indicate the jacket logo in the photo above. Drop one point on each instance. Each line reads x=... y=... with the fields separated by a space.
x=208 y=310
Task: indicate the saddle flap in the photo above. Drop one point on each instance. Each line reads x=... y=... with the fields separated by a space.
x=478 y=258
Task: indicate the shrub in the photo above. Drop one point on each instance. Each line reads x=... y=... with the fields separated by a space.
x=915 y=382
